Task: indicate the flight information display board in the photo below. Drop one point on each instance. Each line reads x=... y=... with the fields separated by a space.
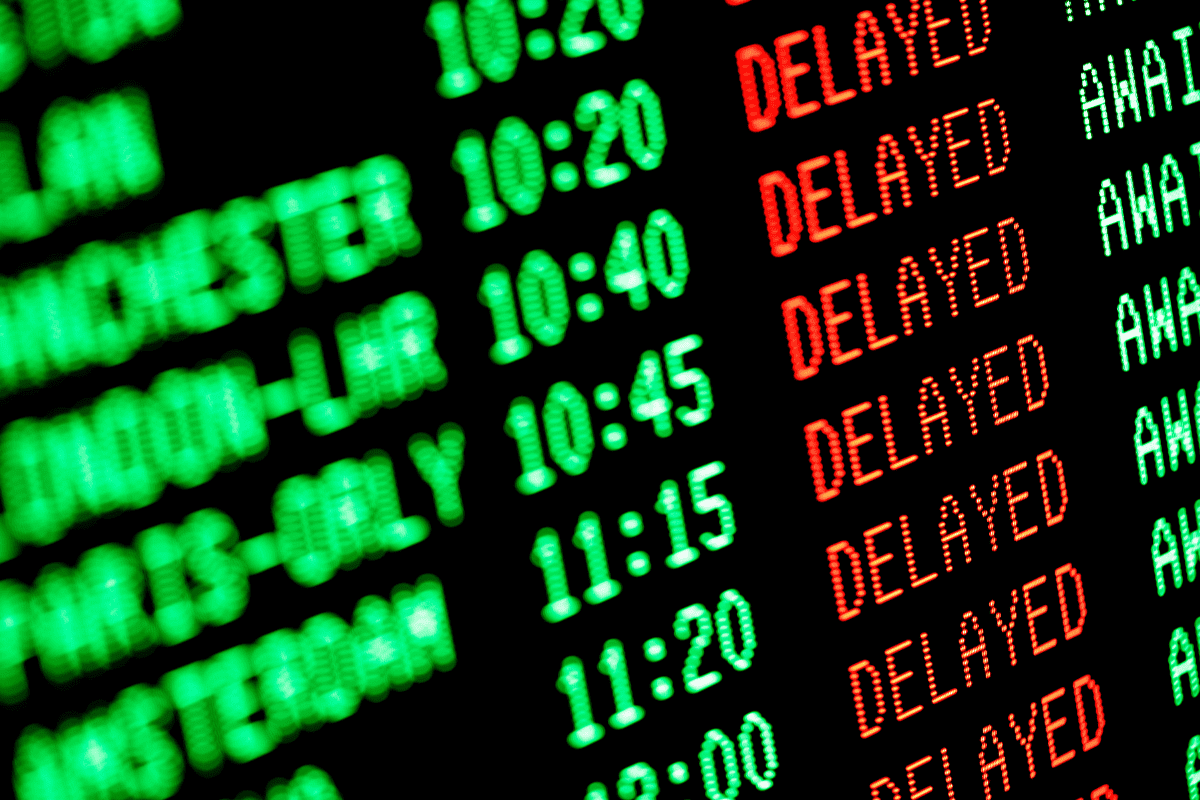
x=599 y=399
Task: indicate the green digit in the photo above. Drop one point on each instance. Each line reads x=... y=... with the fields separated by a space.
x=568 y=428
x=621 y=17
x=521 y=425
x=547 y=556
x=704 y=503
x=445 y=25
x=713 y=740
x=494 y=38
x=750 y=722
x=16 y=641
x=732 y=601
x=669 y=505
x=681 y=378
x=613 y=664
x=471 y=161
x=640 y=772
x=573 y=683
x=590 y=540
x=517 y=160
x=648 y=395
x=623 y=270
x=644 y=134
x=570 y=32
x=663 y=239
x=693 y=681
x=542 y=290
x=495 y=292
x=600 y=113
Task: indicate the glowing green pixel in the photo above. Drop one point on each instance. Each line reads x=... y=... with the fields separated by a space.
x=669 y=505
x=540 y=45
x=542 y=290
x=517 y=161
x=568 y=425
x=662 y=688
x=614 y=436
x=532 y=9
x=654 y=649
x=547 y=556
x=471 y=161
x=521 y=425
x=440 y=464
x=573 y=683
x=444 y=24
x=678 y=773
x=693 y=681
x=590 y=307
x=606 y=396
x=637 y=563
x=631 y=524
x=494 y=38
x=613 y=664
x=557 y=135
x=590 y=540
x=564 y=176
x=495 y=292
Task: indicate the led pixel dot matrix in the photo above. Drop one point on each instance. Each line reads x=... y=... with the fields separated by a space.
x=622 y=399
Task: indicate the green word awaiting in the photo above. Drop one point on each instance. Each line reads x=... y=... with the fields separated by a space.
x=297 y=679
x=542 y=289
x=48 y=30
x=1143 y=212
x=1159 y=321
x=199 y=272
x=495 y=41
x=92 y=156
x=120 y=452
x=92 y=617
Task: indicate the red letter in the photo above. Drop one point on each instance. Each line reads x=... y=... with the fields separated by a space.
x=952 y=147
x=854 y=442
x=913 y=792
x=1018 y=534
x=1041 y=354
x=1051 y=727
x=895 y=680
x=1000 y=226
x=987 y=139
x=907 y=33
x=791 y=325
x=986 y=766
x=866 y=23
x=832 y=321
x=875 y=562
x=811 y=433
x=839 y=588
x=960 y=533
x=859 y=708
x=811 y=197
x=992 y=385
x=1088 y=741
x=1031 y=614
x=979 y=649
x=879 y=784
x=968 y=397
x=973 y=265
x=864 y=300
x=766 y=185
x=909 y=264
x=929 y=419
x=932 y=25
x=937 y=698
x=1068 y=631
x=853 y=219
x=1007 y=628
x=746 y=58
x=927 y=156
x=889 y=437
x=832 y=96
x=886 y=148
x=972 y=50
x=989 y=516
x=1062 y=487
x=789 y=72
x=1026 y=741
